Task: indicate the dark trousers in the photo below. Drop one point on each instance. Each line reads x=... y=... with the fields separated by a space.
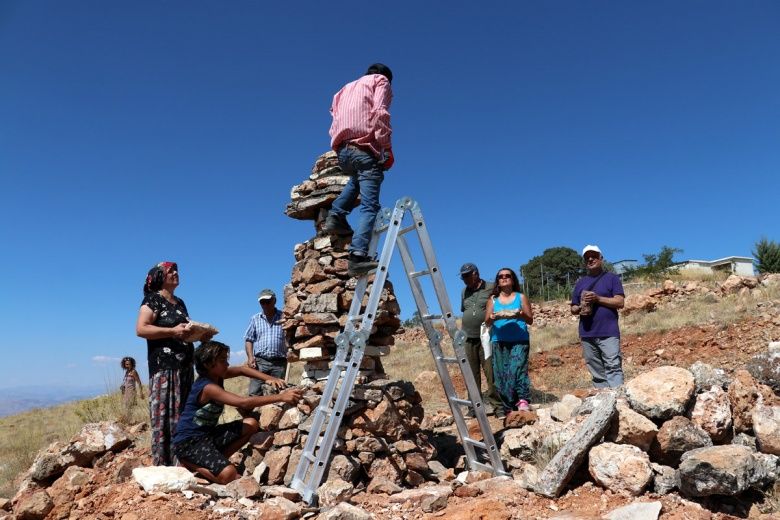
x=274 y=367
x=475 y=355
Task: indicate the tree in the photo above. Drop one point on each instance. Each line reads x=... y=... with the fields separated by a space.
x=767 y=255
x=553 y=273
x=655 y=264
x=414 y=321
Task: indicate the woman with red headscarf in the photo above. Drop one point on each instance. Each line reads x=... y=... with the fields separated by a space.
x=162 y=321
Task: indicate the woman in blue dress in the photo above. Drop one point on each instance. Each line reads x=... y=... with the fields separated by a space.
x=509 y=313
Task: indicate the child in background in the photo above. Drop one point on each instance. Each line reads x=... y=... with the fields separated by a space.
x=129 y=383
x=202 y=445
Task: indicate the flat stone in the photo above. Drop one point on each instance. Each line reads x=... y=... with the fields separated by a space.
x=636 y=511
x=244 y=487
x=383 y=485
x=344 y=511
x=270 y=415
x=564 y=464
x=165 y=479
x=564 y=409
x=281 y=491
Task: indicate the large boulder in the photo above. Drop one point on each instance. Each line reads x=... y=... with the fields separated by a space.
x=661 y=393
x=629 y=427
x=765 y=368
x=675 y=437
x=766 y=426
x=334 y=492
x=638 y=302
x=664 y=479
x=718 y=470
x=34 y=506
x=620 y=467
x=95 y=439
x=712 y=413
x=745 y=393
x=706 y=376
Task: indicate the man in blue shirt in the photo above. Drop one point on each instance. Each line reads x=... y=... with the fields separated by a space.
x=266 y=348
x=596 y=299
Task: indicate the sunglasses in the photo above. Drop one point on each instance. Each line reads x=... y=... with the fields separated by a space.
x=503 y=276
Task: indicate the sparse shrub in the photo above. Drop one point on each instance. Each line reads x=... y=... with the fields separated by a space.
x=767 y=255
x=655 y=266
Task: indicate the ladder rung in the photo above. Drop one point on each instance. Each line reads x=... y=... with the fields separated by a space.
x=432 y=317
x=464 y=402
x=448 y=359
x=407 y=229
x=474 y=442
x=340 y=364
x=417 y=274
x=356 y=318
x=310 y=457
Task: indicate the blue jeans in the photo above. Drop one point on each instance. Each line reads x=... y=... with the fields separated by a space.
x=366 y=177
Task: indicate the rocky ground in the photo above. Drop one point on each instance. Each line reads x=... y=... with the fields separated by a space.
x=694 y=434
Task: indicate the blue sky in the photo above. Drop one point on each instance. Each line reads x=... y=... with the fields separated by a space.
x=132 y=133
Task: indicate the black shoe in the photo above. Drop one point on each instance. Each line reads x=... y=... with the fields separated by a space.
x=336 y=225
x=359 y=265
x=499 y=413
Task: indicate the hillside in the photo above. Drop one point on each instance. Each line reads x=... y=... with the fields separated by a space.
x=677 y=324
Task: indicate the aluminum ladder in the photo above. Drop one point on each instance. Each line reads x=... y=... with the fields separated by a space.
x=351 y=344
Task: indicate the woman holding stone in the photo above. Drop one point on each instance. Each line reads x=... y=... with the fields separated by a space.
x=509 y=313
x=163 y=321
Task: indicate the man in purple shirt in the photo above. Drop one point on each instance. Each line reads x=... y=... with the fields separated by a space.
x=596 y=299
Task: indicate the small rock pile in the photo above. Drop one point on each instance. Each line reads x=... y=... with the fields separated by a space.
x=64 y=467
x=320 y=292
x=697 y=431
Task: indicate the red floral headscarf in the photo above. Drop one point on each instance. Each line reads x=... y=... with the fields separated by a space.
x=156 y=276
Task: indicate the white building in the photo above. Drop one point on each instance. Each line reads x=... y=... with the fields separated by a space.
x=741 y=265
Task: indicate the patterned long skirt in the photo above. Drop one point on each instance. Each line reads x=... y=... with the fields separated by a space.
x=510 y=372
x=168 y=391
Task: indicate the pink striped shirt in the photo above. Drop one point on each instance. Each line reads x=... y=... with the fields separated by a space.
x=360 y=114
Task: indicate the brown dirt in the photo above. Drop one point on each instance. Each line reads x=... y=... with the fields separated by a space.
x=723 y=346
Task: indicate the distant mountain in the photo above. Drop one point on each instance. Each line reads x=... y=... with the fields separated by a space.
x=20 y=399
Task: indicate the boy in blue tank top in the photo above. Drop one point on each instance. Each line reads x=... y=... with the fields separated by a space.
x=200 y=443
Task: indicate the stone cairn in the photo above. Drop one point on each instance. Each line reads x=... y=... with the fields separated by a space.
x=380 y=444
x=318 y=297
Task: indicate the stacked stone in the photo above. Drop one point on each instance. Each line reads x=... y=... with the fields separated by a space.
x=697 y=431
x=319 y=295
x=380 y=446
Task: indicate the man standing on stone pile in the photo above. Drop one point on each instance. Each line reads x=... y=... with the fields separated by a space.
x=360 y=135
x=596 y=298
x=266 y=348
x=473 y=301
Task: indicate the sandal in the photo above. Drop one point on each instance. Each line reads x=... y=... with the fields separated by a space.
x=522 y=406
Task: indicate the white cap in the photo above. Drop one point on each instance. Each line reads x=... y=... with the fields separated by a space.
x=590 y=247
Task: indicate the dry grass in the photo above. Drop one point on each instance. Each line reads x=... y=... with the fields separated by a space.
x=698 y=310
x=24 y=434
